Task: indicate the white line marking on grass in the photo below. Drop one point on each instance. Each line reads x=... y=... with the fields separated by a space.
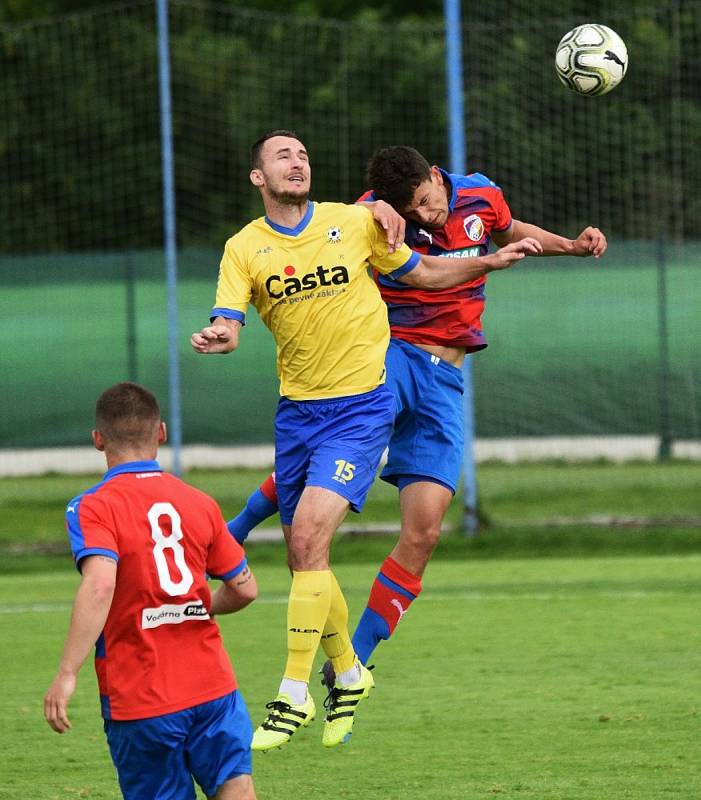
x=435 y=596
x=547 y=596
x=35 y=608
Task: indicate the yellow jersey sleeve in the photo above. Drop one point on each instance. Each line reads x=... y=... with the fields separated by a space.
x=393 y=264
x=312 y=288
x=235 y=286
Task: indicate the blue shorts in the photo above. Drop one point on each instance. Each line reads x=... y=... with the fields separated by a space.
x=157 y=758
x=428 y=438
x=334 y=443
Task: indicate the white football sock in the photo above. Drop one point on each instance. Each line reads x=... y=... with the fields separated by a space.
x=350 y=676
x=295 y=690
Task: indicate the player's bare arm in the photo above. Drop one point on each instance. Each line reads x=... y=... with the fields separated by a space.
x=90 y=609
x=435 y=272
x=590 y=242
x=393 y=223
x=235 y=594
x=222 y=336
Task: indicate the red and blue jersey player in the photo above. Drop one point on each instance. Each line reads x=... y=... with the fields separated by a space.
x=446 y=215
x=144 y=543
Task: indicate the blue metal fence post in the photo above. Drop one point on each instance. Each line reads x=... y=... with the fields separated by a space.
x=456 y=141
x=171 y=263
x=664 y=452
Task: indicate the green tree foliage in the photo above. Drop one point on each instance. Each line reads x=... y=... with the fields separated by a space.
x=79 y=124
x=19 y=10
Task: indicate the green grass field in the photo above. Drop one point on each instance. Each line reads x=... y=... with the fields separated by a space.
x=574 y=348
x=549 y=657
x=531 y=509
x=551 y=679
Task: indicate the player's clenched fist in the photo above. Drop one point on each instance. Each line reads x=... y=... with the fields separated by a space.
x=217 y=338
x=508 y=255
x=590 y=242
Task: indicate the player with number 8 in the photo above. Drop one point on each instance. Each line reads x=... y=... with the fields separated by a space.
x=144 y=543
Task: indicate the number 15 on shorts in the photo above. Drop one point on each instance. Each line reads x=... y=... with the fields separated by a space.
x=344 y=471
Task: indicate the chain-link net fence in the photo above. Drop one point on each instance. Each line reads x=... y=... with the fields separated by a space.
x=576 y=347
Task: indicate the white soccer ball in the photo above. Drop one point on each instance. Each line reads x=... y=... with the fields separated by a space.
x=591 y=59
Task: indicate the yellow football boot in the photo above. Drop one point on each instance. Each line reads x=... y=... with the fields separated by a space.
x=340 y=706
x=282 y=721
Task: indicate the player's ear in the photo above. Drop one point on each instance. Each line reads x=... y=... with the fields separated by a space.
x=436 y=176
x=162 y=433
x=256 y=177
x=98 y=441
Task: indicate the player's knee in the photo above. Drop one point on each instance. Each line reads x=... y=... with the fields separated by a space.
x=306 y=556
x=422 y=539
x=307 y=551
x=308 y=542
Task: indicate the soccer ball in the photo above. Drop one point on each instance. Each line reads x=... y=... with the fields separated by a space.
x=591 y=59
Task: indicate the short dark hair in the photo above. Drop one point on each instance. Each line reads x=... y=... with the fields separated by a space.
x=394 y=174
x=257 y=146
x=127 y=415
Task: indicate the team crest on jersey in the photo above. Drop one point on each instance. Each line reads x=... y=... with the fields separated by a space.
x=474 y=228
x=334 y=235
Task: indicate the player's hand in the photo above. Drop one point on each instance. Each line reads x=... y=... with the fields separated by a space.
x=212 y=339
x=56 y=702
x=590 y=242
x=512 y=253
x=393 y=223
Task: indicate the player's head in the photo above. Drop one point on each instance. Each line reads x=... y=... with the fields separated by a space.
x=402 y=177
x=280 y=168
x=128 y=420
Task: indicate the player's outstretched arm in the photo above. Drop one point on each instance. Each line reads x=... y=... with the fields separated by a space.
x=436 y=272
x=235 y=594
x=222 y=336
x=90 y=609
x=590 y=242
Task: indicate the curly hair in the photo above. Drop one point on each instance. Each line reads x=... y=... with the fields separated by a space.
x=394 y=173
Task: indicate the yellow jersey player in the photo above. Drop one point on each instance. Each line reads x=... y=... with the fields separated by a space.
x=304 y=266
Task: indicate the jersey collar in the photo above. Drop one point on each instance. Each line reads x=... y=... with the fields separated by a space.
x=133 y=466
x=301 y=225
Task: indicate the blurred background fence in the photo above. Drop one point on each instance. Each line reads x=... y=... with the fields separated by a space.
x=577 y=347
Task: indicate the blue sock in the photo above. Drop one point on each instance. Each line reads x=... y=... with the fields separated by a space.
x=371 y=630
x=392 y=593
x=257 y=508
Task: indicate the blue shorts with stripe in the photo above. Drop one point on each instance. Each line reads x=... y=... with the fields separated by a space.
x=336 y=444
x=428 y=437
x=158 y=757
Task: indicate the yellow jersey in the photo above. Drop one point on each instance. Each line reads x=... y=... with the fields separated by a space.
x=312 y=288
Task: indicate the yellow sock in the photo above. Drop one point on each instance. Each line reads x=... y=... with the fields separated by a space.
x=335 y=638
x=307 y=610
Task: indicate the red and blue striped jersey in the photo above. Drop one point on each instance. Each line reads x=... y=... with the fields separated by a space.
x=449 y=317
x=159 y=651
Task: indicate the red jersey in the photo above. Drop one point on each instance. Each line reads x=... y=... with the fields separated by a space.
x=449 y=317
x=159 y=651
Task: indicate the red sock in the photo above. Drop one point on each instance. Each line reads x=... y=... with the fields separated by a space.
x=268 y=489
x=393 y=590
